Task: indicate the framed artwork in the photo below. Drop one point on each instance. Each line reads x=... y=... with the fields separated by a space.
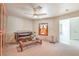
x=43 y=29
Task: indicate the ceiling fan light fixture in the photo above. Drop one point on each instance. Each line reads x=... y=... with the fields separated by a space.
x=35 y=16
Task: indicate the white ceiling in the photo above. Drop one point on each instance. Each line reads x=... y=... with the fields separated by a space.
x=51 y=9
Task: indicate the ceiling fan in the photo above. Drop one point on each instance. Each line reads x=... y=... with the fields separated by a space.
x=37 y=11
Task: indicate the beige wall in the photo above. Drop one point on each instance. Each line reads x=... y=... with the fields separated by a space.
x=69 y=15
x=52 y=26
x=17 y=24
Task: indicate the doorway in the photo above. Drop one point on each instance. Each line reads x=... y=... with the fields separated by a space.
x=64 y=31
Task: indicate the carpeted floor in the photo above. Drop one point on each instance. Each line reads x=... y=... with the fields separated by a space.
x=46 y=49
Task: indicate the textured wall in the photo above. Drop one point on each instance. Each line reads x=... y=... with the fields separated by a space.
x=17 y=24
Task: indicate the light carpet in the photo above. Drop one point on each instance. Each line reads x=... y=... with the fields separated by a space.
x=46 y=49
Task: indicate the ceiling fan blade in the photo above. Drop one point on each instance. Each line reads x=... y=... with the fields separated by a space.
x=28 y=13
x=36 y=11
x=41 y=14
